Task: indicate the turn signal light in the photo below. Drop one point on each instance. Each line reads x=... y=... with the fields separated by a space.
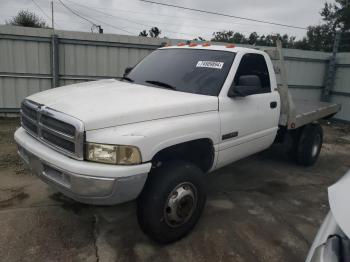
x=192 y=44
x=230 y=46
x=181 y=44
x=206 y=44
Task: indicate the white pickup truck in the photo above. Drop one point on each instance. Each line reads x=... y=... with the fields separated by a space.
x=180 y=113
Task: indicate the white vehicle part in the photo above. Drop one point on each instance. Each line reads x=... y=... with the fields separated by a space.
x=241 y=149
x=86 y=182
x=121 y=103
x=153 y=136
x=338 y=195
x=76 y=166
x=328 y=228
x=336 y=222
x=251 y=121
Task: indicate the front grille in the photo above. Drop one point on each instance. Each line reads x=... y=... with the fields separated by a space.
x=30 y=126
x=56 y=140
x=29 y=112
x=58 y=125
x=58 y=130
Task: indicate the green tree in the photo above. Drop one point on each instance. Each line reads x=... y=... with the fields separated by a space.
x=143 y=33
x=229 y=37
x=320 y=37
x=222 y=36
x=27 y=19
x=253 y=38
x=154 y=32
x=238 y=38
x=336 y=17
x=199 y=38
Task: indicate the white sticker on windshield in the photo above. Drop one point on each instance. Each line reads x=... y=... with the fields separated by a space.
x=210 y=64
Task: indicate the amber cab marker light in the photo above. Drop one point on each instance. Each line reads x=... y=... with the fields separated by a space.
x=192 y=44
x=206 y=44
x=181 y=44
x=230 y=46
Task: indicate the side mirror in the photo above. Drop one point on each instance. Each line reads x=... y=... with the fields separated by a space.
x=247 y=85
x=127 y=71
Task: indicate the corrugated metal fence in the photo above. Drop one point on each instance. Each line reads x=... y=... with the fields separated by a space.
x=33 y=60
x=341 y=89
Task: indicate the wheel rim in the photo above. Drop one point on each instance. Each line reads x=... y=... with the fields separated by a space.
x=180 y=204
x=316 y=145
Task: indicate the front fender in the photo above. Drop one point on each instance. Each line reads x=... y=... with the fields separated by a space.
x=152 y=136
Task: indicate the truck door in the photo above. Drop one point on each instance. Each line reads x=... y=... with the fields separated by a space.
x=249 y=123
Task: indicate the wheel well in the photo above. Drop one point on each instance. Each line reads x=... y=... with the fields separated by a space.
x=199 y=152
x=284 y=134
x=291 y=137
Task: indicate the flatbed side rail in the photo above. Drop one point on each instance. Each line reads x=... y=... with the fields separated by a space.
x=309 y=112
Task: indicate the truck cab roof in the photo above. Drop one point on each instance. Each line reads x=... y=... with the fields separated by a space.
x=226 y=48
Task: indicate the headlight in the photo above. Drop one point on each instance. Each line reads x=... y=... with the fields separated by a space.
x=113 y=154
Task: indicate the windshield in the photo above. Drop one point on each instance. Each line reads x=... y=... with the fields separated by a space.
x=186 y=70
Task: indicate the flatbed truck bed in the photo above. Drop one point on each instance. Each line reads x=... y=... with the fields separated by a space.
x=309 y=111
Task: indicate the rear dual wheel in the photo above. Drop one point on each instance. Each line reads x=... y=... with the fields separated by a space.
x=306 y=144
x=310 y=144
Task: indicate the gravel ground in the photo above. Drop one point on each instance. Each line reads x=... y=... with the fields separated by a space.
x=264 y=208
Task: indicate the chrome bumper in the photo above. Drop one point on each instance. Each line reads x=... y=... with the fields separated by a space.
x=110 y=185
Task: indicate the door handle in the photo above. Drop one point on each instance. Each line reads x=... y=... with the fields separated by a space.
x=273 y=104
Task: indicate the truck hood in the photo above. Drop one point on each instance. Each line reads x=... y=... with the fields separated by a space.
x=111 y=102
x=339 y=195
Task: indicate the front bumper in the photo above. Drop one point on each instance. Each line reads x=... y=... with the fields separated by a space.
x=86 y=182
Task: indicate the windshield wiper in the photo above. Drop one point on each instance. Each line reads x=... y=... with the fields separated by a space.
x=127 y=79
x=159 y=83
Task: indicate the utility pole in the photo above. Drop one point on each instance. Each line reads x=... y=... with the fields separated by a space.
x=52 y=18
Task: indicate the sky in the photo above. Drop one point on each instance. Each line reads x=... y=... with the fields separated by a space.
x=132 y=16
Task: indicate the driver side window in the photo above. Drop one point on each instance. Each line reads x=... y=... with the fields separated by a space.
x=254 y=64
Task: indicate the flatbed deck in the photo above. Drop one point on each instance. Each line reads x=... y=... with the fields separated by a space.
x=309 y=111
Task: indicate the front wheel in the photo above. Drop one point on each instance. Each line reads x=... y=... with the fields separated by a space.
x=172 y=201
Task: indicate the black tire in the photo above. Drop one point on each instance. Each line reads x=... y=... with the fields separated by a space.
x=152 y=205
x=291 y=141
x=309 y=145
